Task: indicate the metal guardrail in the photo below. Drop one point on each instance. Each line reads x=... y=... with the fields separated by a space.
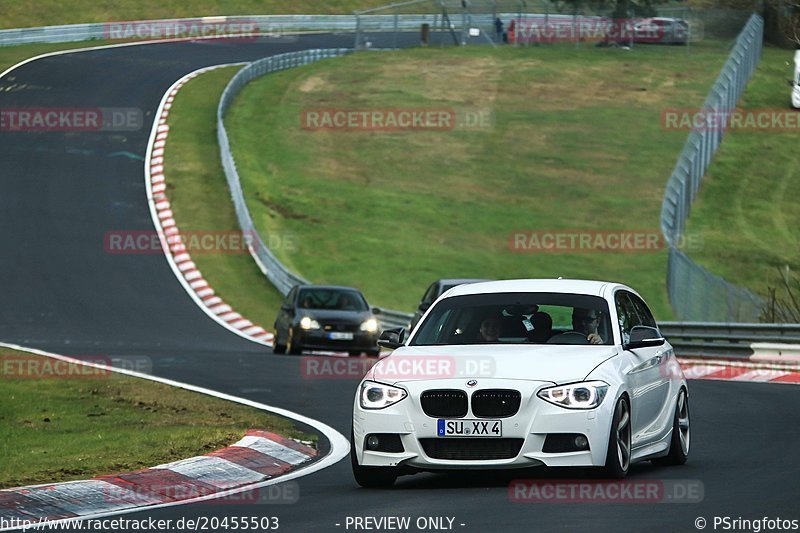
x=729 y=340
x=194 y=27
x=281 y=277
x=695 y=293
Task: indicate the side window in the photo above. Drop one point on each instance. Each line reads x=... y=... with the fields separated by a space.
x=626 y=313
x=434 y=330
x=430 y=294
x=645 y=316
x=289 y=300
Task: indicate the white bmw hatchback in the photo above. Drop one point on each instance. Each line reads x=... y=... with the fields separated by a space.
x=520 y=373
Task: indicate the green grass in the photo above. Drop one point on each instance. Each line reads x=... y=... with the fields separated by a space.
x=51 y=12
x=578 y=144
x=201 y=200
x=55 y=428
x=746 y=213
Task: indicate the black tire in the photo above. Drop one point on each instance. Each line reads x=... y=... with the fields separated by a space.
x=679 y=443
x=354 y=354
x=370 y=477
x=278 y=348
x=292 y=348
x=618 y=459
x=374 y=353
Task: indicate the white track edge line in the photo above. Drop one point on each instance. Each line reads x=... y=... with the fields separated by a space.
x=339 y=445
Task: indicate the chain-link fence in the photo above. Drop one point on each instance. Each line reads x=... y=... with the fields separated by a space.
x=543 y=22
x=442 y=22
x=694 y=293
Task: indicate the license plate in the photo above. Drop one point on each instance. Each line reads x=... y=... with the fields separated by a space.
x=340 y=336
x=469 y=428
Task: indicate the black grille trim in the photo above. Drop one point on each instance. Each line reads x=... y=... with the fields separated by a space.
x=471 y=449
x=496 y=403
x=444 y=403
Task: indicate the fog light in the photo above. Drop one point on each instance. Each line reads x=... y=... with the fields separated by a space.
x=581 y=442
x=373 y=442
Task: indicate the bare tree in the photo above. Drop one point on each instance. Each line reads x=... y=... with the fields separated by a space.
x=786 y=18
x=783 y=302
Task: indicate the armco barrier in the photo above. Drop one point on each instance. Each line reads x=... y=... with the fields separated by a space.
x=726 y=340
x=262 y=24
x=281 y=277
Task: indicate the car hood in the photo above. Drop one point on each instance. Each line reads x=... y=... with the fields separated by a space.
x=335 y=315
x=557 y=364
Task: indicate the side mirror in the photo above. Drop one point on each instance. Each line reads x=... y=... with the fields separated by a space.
x=790 y=83
x=287 y=307
x=377 y=310
x=424 y=306
x=644 y=337
x=392 y=338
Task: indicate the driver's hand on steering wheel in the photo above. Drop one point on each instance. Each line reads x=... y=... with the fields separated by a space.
x=594 y=338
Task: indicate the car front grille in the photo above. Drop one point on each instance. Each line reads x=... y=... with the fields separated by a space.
x=444 y=403
x=496 y=403
x=329 y=326
x=471 y=449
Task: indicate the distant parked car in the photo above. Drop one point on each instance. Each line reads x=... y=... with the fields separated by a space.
x=436 y=289
x=323 y=317
x=661 y=30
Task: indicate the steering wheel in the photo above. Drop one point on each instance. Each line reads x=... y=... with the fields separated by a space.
x=569 y=337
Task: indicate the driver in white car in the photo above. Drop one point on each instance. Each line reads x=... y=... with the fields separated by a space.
x=585 y=321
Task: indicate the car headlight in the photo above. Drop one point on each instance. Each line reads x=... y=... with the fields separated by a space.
x=587 y=395
x=308 y=323
x=370 y=325
x=377 y=395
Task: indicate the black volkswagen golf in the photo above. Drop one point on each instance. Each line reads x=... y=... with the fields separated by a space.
x=325 y=317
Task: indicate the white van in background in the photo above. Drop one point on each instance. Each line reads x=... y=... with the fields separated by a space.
x=796 y=81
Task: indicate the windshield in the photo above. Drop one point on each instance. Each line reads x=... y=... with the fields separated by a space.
x=331 y=299
x=517 y=318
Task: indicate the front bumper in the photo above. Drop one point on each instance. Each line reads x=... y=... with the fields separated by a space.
x=318 y=340
x=535 y=419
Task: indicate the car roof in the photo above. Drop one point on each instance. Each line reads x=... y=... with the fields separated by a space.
x=459 y=281
x=566 y=286
x=329 y=287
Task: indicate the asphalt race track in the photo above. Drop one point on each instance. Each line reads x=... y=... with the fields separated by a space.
x=62 y=292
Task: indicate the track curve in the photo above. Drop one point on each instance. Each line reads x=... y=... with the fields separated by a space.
x=61 y=192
